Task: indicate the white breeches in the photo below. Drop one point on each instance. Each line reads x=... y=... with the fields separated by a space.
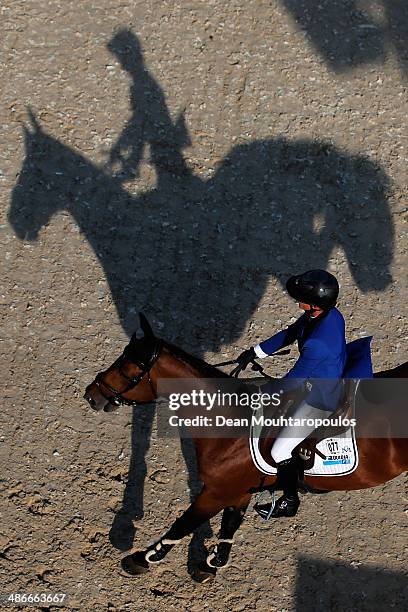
x=291 y=436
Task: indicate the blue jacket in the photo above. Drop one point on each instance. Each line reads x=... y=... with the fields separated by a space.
x=323 y=355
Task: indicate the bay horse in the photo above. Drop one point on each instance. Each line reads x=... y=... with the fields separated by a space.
x=225 y=465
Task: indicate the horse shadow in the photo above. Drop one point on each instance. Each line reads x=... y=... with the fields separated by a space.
x=347 y=36
x=332 y=585
x=196 y=255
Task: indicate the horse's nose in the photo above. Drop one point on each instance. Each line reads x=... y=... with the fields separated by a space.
x=90 y=400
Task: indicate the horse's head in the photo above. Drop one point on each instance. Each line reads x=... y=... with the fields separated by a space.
x=128 y=380
x=36 y=197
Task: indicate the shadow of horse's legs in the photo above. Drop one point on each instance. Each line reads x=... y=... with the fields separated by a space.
x=122 y=531
x=197 y=550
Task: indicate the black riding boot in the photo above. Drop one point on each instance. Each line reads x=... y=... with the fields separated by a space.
x=288 y=504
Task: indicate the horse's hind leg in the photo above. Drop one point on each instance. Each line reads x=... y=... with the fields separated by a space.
x=202 y=509
x=232 y=518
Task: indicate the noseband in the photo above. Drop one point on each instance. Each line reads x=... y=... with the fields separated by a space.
x=117 y=398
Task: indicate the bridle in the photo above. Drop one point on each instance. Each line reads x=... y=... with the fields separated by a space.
x=117 y=398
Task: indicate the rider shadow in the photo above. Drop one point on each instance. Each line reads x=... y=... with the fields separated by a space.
x=323 y=585
x=205 y=247
x=347 y=36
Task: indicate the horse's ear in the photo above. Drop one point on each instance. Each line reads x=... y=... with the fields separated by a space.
x=34 y=123
x=145 y=325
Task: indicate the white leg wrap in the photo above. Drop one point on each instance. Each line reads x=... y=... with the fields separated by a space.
x=157 y=547
x=213 y=554
x=149 y=554
x=228 y=541
x=168 y=541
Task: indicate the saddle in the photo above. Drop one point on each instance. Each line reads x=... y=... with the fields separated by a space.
x=306 y=450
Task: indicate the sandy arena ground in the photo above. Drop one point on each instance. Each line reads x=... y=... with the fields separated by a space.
x=183 y=158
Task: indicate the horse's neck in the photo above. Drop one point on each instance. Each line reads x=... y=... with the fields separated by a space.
x=192 y=376
x=170 y=366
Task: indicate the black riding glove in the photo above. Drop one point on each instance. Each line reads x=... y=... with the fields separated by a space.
x=246 y=357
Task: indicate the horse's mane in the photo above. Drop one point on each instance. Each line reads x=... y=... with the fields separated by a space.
x=205 y=368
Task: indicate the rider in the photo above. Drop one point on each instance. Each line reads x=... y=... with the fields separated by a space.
x=320 y=333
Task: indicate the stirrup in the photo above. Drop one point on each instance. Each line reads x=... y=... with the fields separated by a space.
x=264 y=510
x=284 y=507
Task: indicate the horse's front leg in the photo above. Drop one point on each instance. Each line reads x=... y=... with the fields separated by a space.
x=232 y=518
x=202 y=509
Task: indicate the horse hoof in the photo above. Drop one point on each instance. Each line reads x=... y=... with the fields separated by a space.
x=135 y=564
x=219 y=556
x=122 y=531
x=204 y=573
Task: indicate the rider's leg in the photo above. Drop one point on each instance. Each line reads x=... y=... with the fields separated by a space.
x=281 y=452
x=288 y=504
x=291 y=435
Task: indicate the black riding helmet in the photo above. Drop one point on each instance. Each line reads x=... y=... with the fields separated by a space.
x=315 y=287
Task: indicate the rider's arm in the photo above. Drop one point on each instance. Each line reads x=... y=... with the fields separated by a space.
x=275 y=343
x=313 y=354
x=307 y=366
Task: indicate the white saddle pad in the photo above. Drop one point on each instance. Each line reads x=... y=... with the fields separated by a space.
x=341 y=455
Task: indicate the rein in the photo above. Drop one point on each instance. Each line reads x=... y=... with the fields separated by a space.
x=116 y=397
x=255 y=366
